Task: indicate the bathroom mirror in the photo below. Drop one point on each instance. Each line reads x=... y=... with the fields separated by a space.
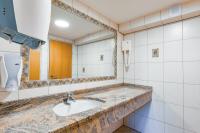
x=76 y=48
x=79 y=49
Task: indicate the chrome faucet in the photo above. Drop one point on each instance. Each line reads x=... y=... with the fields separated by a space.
x=69 y=98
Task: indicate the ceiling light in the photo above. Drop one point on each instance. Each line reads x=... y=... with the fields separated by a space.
x=62 y=23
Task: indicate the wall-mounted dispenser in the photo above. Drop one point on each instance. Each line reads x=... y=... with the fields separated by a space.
x=11 y=70
x=25 y=21
x=126 y=49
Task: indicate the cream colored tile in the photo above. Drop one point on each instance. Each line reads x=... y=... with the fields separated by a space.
x=8 y=96
x=173 y=32
x=192 y=96
x=34 y=92
x=191 y=28
x=174 y=115
x=173 y=93
x=191 y=119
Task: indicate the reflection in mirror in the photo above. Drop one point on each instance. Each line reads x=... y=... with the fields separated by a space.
x=60 y=65
x=77 y=48
x=10 y=71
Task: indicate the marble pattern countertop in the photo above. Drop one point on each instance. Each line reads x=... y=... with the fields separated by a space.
x=40 y=118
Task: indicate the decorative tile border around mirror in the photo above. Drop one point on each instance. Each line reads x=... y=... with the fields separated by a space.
x=26 y=83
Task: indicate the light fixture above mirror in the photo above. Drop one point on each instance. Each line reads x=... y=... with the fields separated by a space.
x=61 y=23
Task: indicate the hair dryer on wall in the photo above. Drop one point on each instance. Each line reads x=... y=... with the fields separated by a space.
x=126 y=49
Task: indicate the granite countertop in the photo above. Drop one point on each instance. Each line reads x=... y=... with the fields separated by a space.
x=40 y=118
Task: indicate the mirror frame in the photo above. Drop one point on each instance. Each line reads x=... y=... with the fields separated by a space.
x=28 y=84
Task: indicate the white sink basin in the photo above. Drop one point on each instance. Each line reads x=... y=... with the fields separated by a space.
x=75 y=107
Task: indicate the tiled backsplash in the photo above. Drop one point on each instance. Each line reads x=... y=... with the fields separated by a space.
x=174 y=75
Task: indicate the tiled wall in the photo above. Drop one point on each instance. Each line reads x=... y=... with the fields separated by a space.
x=74 y=61
x=174 y=75
x=44 y=61
x=164 y=16
x=89 y=58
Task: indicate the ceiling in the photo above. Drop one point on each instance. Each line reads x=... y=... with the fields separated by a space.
x=79 y=27
x=121 y=11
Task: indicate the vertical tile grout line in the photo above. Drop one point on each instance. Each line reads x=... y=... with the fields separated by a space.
x=183 y=77
x=147 y=56
x=122 y=59
x=147 y=59
x=77 y=61
x=134 y=74
x=134 y=58
x=163 y=85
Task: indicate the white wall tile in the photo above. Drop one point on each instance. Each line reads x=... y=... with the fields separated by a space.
x=141 y=82
x=171 y=14
x=173 y=32
x=192 y=96
x=190 y=7
x=174 y=115
x=186 y=131
x=140 y=38
x=6 y=96
x=191 y=28
x=89 y=57
x=191 y=72
x=155 y=35
x=173 y=51
x=155 y=71
x=172 y=129
x=158 y=90
x=130 y=37
x=141 y=54
x=152 y=18
x=35 y=92
x=191 y=119
x=146 y=125
x=173 y=72
x=138 y=22
x=191 y=49
x=141 y=71
x=173 y=93
x=154 y=110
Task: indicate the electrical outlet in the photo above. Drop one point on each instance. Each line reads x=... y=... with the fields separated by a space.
x=155 y=53
x=101 y=57
x=83 y=69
